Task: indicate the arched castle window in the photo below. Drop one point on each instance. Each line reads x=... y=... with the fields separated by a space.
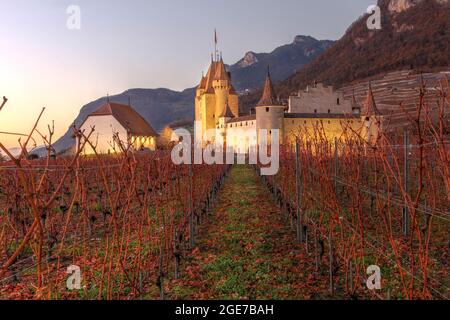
x=338 y=102
x=267 y=109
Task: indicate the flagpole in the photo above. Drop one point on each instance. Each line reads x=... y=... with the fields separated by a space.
x=215 y=43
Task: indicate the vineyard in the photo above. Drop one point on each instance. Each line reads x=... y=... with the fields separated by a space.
x=356 y=209
x=128 y=221
x=123 y=220
x=387 y=204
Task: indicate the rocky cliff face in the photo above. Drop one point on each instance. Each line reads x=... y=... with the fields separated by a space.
x=249 y=59
x=398 y=6
x=415 y=35
x=249 y=73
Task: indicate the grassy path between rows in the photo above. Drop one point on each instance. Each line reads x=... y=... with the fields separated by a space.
x=245 y=249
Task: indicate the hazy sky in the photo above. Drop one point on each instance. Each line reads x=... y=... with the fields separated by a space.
x=137 y=43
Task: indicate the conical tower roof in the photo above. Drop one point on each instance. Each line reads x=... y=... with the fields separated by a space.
x=226 y=113
x=210 y=77
x=202 y=84
x=221 y=72
x=371 y=106
x=268 y=97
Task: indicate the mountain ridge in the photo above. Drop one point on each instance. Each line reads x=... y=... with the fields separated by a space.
x=415 y=35
x=162 y=106
x=249 y=73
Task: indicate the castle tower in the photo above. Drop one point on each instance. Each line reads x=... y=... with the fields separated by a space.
x=269 y=112
x=205 y=97
x=371 y=118
x=214 y=93
x=221 y=85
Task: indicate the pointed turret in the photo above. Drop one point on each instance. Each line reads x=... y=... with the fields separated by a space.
x=221 y=72
x=226 y=113
x=221 y=85
x=202 y=84
x=372 y=118
x=268 y=97
x=269 y=112
x=371 y=106
x=210 y=77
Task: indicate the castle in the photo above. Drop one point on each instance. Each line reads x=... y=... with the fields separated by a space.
x=318 y=110
x=217 y=113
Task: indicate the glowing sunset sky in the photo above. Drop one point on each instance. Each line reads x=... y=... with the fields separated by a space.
x=145 y=44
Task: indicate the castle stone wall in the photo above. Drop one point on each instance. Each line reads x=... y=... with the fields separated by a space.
x=320 y=99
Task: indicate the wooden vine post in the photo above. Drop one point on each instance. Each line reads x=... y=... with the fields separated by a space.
x=191 y=207
x=336 y=166
x=406 y=184
x=299 y=225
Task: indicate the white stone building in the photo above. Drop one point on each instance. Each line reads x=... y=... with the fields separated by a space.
x=117 y=122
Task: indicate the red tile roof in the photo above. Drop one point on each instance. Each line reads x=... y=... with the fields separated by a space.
x=129 y=118
x=210 y=77
x=202 y=84
x=243 y=118
x=221 y=73
x=268 y=97
x=226 y=113
x=216 y=71
x=320 y=116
